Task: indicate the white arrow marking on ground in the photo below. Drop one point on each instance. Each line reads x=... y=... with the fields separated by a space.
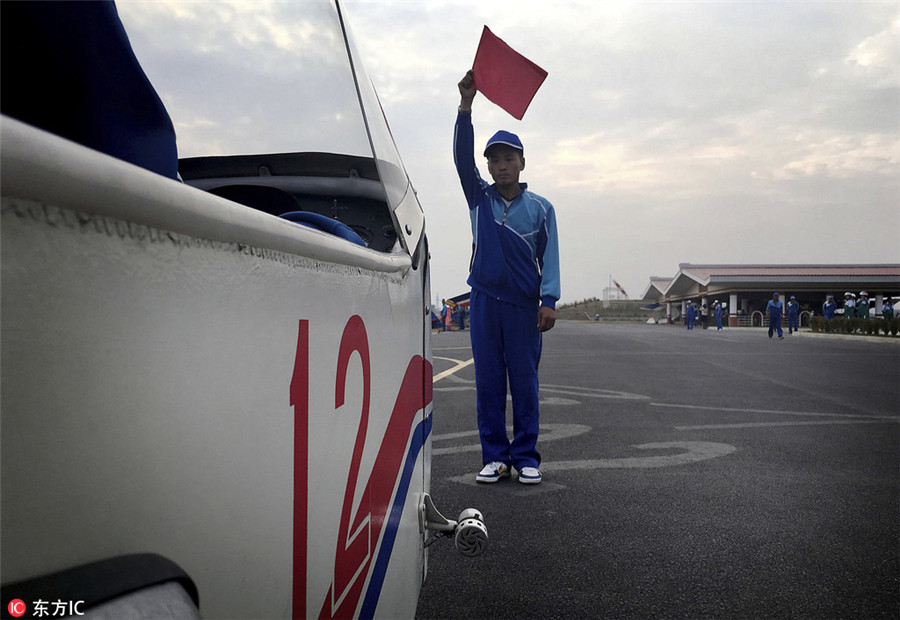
x=591 y=392
x=459 y=366
x=694 y=451
x=549 y=432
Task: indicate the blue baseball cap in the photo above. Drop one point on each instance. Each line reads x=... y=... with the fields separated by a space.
x=504 y=137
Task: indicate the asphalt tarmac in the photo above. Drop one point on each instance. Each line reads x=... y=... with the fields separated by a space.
x=687 y=474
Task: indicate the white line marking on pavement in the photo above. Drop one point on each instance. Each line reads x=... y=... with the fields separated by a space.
x=591 y=392
x=544 y=389
x=801 y=413
x=700 y=427
x=459 y=366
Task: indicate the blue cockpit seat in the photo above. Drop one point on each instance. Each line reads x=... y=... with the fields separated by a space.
x=325 y=224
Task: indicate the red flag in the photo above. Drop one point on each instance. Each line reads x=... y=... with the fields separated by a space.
x=505 y=76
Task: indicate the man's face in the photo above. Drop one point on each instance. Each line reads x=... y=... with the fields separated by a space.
x=505 y=164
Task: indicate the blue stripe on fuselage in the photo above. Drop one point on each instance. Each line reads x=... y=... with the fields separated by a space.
x=421 y=432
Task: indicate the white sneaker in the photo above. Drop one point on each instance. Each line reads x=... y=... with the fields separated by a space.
x=530 y=475
x=492 y=472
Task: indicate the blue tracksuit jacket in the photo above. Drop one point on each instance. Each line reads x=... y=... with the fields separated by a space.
x=516 y=257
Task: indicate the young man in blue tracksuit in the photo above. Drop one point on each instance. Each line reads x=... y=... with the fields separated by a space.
x=793 y=315
x=887 y=308
x=829 y=307
x=775 y=308
x=514 y=277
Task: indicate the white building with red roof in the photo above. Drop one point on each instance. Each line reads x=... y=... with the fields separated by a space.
x=745 y=289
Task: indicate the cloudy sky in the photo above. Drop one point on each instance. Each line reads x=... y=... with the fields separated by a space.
x=666 y=132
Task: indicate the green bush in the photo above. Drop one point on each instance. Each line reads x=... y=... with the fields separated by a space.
x=840 y=325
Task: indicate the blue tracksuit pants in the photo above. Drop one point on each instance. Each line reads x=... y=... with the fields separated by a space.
x=506 y=345
x=793 y=323
x=775 y=324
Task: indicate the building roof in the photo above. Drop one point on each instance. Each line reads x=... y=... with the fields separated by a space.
x=656 y=288
x=706 y=272
x=692 y=280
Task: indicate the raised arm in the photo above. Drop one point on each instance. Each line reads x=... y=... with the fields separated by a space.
x=464 y=142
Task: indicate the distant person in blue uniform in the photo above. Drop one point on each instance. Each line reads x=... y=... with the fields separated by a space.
x=689 y=315
x=717 y=310
x=775 y=309
x=829 y=307
x=514 y=277
x=887 y=308
x=793 y=310
x=444 y=310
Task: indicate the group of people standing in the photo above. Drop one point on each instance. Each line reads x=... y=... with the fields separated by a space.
x=448 y=307
x=853 y=308
x=694 y=313
x=857 y=307
x=775 y=311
